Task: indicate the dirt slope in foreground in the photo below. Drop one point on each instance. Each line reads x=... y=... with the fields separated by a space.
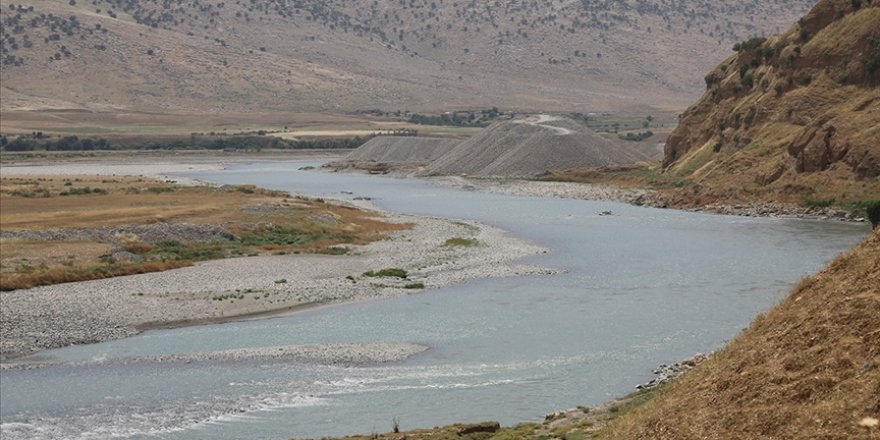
x=809 y=369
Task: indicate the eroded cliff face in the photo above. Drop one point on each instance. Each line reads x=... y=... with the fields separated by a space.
x=796 y=114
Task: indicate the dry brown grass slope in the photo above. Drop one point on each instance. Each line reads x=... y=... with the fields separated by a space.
x=790 y=118
x=341 y=55
x=809 y=369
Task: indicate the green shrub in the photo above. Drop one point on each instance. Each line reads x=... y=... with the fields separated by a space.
x=387 y=272
x=818 y=203
x=873 y=211
x=464 y=242
x=414 y=286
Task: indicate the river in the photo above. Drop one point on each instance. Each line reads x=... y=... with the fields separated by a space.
x=640 y=287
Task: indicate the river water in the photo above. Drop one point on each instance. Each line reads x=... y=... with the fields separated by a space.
x=640 y=288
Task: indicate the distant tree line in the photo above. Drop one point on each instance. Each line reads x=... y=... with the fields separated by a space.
x=636 y=137
x=74 y=143
x=458 y=119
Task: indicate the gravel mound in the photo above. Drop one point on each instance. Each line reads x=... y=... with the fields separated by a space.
x=531 y=146
x=402 y=149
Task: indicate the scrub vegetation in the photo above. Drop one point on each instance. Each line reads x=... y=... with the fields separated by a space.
x=61 y=229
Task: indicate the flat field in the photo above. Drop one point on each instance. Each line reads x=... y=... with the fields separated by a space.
x=70 y=228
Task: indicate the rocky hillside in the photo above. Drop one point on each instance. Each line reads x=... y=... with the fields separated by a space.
x=810 y=368
x=340 y=55
x=790 y=118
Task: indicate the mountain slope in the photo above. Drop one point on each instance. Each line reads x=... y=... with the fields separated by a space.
x=791 y=118
x=316 y=55
x=808 y=369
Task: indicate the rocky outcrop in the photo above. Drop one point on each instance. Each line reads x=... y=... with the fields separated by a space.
x=790 y=112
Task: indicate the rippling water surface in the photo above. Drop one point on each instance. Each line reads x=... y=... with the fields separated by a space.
x=642 y=287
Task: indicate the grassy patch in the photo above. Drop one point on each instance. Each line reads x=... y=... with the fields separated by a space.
x=414 y=286
x=462 y=242
x=818 y=203
x=260 y=221
x=389 y=272
x=66 y=274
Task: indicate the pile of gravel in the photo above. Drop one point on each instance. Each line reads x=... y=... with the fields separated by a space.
x=531 y=146
x=402 y=149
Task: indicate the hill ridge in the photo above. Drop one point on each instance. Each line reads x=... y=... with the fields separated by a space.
x=311 y=55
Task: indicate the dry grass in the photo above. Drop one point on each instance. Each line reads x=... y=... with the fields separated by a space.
x=262 y=221
x=64 y=274
x=741 y=144
x=806 y=370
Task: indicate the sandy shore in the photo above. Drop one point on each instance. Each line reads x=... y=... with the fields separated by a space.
x=237 y=288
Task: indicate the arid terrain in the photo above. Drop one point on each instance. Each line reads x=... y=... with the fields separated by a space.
x=238 y=252
x=793 y=119
x=550 y=98
x=338 y=56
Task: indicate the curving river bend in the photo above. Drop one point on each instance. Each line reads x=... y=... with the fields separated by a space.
x=642 y=287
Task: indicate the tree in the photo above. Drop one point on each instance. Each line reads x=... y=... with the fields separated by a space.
x=873 y=211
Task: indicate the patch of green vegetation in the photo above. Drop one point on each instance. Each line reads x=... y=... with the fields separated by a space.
x=335 y=250
x=83 y=191
x=636 y=137
x=414 y=286
x=387 y=272
x=286 y=235
x=175 y=250
x=30 y=194
x=463 y=242
x=873 y=211
x=212 y=141
x=458 y=119
x=818 y=203
x=281 y=281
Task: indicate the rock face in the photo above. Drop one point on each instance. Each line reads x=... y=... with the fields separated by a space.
x=790 y=112
x=531 y=146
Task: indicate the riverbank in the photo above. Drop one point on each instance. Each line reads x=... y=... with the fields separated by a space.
x=435 y=252
x=639 y=197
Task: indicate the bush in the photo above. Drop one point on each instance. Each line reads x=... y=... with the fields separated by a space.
x=458 y=241
x=387 y=272
x=818 y=203
x=873 y=211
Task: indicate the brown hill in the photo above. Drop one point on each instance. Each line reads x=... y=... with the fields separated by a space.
x=809 y=369
x=340 y=55
x=791 y=118
x=531 y=146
